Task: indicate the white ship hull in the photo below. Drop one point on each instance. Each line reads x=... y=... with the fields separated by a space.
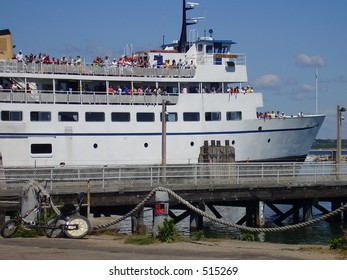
x=111 y=143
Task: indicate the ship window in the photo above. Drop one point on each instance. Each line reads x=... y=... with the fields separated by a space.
x=95 y=116
x=68 y=116
x=209 y=49
x=200 y=47
x=234 y=116
x=171 y=117
x=11 y=115
x=145 y=117
x=191 y=116
x=41 y=148
x=37 y=116
x=120 y=117
x=212 y=116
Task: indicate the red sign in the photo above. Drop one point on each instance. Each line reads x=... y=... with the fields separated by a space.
x=159 y=209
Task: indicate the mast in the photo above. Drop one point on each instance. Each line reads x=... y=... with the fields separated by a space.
x=183 y=39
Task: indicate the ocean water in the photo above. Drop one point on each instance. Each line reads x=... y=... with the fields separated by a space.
x=325 y=152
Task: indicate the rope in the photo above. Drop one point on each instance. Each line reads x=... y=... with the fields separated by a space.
x=220 y=220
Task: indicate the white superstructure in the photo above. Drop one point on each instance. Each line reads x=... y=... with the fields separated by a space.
x=76 y=115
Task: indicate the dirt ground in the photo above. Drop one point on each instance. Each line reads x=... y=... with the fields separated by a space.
x=106 y=247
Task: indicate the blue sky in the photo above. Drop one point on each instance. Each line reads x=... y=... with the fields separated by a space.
x=285 y=40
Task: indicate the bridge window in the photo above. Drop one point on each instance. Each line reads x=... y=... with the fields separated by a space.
x=37 y=116
x=11 y=115
x=68 y=116
x=41 y=148
x=95 y=116
x=120 y=117
x=191 y=116
x=234 y=116
x=171 y=117
x=212 y=116
x=145 y=117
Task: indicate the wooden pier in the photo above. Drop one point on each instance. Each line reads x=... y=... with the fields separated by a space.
x=117 y=190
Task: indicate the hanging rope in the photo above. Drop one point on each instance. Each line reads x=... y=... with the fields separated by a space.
x=220 y=220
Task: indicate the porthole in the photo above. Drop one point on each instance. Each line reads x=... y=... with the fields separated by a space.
x=192 y=144
x=233 y=142
x=260 y=128
x=269 y=140
x=145 y=145
x=95 y=146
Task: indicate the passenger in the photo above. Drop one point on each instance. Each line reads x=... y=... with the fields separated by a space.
x=119 y=90
x=192 y=66
x=179 y=64
x=121 y=62
x=106 y=61
x=28 y=89
x=78 y=60
x=173 y=64
x=63 y=60
x=71 y=60
x=114 y=62
x=19 y=56
x=111 y=90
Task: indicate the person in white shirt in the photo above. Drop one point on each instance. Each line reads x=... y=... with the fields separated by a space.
x=19 y=56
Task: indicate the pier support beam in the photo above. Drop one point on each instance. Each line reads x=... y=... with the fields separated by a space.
x=344 y=212
x=137 y=224
x=196 y=220
x=307 y=213
x=334 y=206
x=2 y=218
x=259 y=214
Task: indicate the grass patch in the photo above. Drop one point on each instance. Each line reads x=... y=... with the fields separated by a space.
x=139 y=240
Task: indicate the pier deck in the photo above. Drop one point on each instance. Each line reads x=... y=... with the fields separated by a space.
x=116 y=190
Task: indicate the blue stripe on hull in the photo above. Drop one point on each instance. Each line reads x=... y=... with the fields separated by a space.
x=21 y=135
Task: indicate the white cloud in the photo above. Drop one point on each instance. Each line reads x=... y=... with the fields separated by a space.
x=304 y=60
x=308 y=88
x=268 y=81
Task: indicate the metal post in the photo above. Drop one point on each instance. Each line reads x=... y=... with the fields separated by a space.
x=88 y=199
x=163 y=142
x=338 y=149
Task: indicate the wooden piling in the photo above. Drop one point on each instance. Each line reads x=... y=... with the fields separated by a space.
x=196 y=220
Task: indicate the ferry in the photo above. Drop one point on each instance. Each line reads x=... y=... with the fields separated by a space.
x=56 y=113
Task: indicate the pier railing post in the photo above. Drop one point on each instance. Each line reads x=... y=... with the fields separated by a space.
x=160 y=211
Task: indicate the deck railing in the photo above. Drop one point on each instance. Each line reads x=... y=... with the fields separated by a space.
x=128 y=178
x=13 y=67
x=85 y=97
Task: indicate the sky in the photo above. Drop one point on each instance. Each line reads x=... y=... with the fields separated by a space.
x=286 y=41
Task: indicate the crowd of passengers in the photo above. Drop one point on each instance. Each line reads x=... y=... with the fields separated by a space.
x=123 y=61
x=273 y=115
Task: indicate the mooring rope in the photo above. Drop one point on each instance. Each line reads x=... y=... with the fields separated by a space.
x=220 y=220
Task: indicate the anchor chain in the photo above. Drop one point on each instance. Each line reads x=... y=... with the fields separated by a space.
x=220 y=220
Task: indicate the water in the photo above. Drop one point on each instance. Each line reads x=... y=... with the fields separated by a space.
x=325 y=152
